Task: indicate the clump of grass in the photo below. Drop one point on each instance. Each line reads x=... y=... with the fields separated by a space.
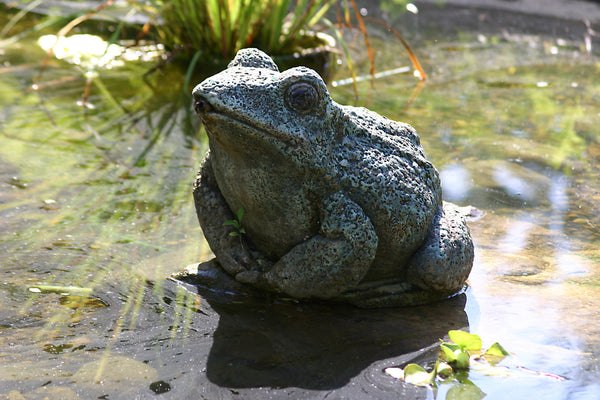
x=214 y=30
x=210 y=32
x=222 y=27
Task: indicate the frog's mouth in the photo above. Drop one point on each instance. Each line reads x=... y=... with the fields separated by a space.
x=212 y=117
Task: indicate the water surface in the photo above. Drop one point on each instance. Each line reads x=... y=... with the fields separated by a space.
x=96 y=193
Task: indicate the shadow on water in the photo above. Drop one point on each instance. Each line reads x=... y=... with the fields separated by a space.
x=318 y=346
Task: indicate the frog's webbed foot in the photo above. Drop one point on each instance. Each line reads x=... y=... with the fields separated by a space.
x=233 y=252
x=444 y=260
x=331 y=262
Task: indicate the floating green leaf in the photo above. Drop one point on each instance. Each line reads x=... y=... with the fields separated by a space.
x=448 y=351
x=495 y=353
x=496 y=350
x=444 y=370
x=417 y=375
x=465 y=340
x=465 y=391
x=455 y=355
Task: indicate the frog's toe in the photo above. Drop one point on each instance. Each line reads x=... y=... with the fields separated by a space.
x=249 y=277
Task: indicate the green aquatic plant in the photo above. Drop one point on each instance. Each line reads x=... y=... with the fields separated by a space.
x=457 y=359
x=210 y=32
x=454 y=360
x=222 y=27
x=236 y=223
x=459 y=351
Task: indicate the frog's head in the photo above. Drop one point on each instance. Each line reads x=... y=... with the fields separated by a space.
x=252 y=104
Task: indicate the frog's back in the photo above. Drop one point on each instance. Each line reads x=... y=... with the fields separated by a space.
x=397 y=187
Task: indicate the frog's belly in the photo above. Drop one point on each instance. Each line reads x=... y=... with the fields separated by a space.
x=279 y=211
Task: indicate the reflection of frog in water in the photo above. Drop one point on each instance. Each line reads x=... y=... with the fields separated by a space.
x=340 y=202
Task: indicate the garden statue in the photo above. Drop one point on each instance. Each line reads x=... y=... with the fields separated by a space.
x=312 y=199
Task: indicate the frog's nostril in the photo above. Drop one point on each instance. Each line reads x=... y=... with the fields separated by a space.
x=201 y=105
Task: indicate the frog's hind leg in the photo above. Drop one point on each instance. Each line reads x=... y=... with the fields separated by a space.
x=330 y=262
x=444 y=260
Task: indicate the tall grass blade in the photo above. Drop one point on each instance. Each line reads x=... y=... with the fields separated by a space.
x=363 y=30
x=277 y=22
x=411 y=55
x=347 y=14
x=245 y=22
x=67 y=28
x=226 y=39
x=340 y=39
x=190 y=70
x=319 y=14
x=17 y=17
x=298 y=17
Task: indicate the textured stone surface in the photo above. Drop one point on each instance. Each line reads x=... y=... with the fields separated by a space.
x=339 y=202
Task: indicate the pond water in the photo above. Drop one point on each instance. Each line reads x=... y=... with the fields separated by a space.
x=95 y=193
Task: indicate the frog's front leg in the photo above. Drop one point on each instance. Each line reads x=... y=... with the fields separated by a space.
x=445 y=258
x=232 y=252
x=331 y=262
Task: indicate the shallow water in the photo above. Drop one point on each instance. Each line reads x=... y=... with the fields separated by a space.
x=96 y=194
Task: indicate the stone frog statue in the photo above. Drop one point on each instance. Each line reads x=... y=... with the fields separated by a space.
x=339 y=203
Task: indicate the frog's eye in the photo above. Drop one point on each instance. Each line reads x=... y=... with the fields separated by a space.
x=302 y=97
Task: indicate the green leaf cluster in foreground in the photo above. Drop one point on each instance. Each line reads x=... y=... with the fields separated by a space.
x=454 y=360
x=457 y=359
